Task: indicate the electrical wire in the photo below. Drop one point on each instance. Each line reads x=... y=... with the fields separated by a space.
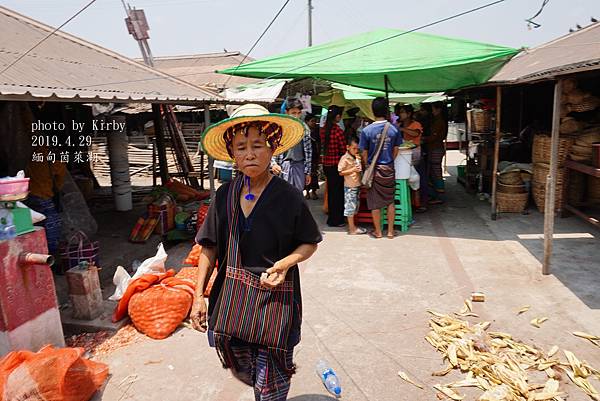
x=259 y=38
x=530 y=20
x=388 y=38
x=327 y=58
x=47 y=36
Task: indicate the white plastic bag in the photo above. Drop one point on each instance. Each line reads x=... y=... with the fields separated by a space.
x=414 y=181
x=121 y=279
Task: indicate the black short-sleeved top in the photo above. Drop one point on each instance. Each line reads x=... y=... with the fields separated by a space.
x=279 y=222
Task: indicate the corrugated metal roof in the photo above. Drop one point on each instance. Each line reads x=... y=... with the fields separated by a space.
x=199 y=69
x=70 y=68
x=575 y=52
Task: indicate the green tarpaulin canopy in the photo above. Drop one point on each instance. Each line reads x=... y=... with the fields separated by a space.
x=350 y=96
x=412 y=62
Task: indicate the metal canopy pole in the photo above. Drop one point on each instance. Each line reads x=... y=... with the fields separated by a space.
x=387 y=92
x=549 y=208
x=496 y=151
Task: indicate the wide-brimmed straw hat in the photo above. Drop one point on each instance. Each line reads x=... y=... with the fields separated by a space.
x=282 y=131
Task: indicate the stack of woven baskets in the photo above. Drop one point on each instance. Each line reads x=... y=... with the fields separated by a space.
x=576 y=100
x=481 y=120
x=581 y=151
x=512 y=194
x=541 y=167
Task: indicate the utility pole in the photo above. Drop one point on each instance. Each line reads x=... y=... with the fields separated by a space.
x=310 y=8
x=164 y=115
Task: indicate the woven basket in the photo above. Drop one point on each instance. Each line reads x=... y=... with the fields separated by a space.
x=540 y=172
x=542 y=149
x=511 y=178
x=482 y=120
x=512 y=189
x=511 y=203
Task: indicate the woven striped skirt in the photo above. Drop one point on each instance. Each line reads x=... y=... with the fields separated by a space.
x=256 y=367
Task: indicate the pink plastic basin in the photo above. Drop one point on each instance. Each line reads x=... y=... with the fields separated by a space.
x=14 y=187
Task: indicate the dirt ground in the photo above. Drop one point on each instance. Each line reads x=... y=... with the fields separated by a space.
x=365 y=304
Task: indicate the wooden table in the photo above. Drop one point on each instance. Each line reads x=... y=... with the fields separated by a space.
x=588 y=170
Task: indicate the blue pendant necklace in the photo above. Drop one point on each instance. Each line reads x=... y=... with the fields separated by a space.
x=249 y=196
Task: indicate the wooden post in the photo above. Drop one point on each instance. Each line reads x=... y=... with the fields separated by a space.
x=496 y=150
x=161 y=149
x=551 y=180
x=211 y=161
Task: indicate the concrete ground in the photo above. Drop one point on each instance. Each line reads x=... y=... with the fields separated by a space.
x=365 y=304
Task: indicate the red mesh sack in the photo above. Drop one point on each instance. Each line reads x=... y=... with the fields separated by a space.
x=49 y=375
x=160 y=309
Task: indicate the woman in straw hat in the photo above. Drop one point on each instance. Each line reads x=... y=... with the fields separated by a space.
x=258 y=229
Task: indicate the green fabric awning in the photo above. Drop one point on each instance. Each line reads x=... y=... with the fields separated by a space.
x=413 y=62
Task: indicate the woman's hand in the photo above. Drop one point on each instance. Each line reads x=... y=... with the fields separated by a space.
x=275 y=275
x=198 y=314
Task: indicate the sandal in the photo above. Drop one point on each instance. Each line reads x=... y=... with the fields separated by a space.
x=359 y=231
x=393 y=235
x=372 y=235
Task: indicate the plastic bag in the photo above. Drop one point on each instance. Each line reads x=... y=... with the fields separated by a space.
x=50 y=374
x=414 y=181
x=121 y=279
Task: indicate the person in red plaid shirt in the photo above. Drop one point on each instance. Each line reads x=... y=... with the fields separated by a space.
x=333 y=147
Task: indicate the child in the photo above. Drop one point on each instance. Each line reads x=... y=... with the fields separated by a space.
x=350 y=168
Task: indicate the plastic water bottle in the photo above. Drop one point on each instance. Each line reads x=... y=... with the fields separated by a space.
x=329 y=378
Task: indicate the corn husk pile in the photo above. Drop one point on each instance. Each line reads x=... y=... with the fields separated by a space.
x=502 y=367
x=105 y=342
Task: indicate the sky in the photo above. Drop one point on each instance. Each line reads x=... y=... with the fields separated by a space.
x=180 y=27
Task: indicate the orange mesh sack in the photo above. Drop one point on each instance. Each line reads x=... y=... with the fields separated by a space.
x=49 y=375
x=194 y=255
x=160 y=309
x=191 y=273
x=188 y=273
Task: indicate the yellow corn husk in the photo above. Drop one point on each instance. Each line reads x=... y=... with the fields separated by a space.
x=552 y=351
x=551 y=386
x=448 y=392
x=443 y=372
x=578 y=369
x=538 y=321
x=484 y=325
x=546 y=364
x=523 y=309
x=407 y=379
x=498 y=334
x=469 y=305
x=452 y=357
x=466 y=314
x=587 y=336
x=436 y=314
x=465 y=383
x=546 y=396
x=584 y=385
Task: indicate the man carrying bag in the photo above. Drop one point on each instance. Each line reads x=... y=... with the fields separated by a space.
x=379 y=144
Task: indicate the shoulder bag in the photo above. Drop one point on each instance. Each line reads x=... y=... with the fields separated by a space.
x=369 y=174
